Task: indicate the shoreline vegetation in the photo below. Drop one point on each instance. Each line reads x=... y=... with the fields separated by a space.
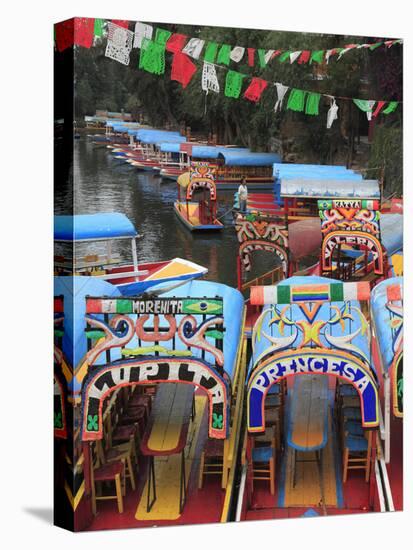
x=352 y=140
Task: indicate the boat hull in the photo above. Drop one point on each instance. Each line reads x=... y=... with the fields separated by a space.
x=192 y=225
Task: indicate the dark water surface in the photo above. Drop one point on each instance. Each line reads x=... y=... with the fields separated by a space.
x=102 y=184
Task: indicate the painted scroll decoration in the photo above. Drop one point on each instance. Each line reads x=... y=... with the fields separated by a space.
x=395 y=309
x=261 y=232
x=312 y=333
x=59 y=381
x=201 y=176
x=160 y=340
x=352 y=223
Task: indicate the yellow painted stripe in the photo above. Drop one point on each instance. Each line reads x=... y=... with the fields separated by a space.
x=75 y=501
x=397 y=261
x=174 y=269
x=235 y=431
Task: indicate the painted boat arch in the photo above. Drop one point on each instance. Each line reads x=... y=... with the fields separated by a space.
x=387 y=315
x=170 y=339
x=247 y=247
x=256 y=231
x=351 y=238
x=311 y=325
x=147 y=370
x=311 y=361
x=202 y=176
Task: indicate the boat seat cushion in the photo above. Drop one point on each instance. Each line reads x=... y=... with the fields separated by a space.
x=214 y=448
x=123 y=433
x=356 y=444
x=352 y=413
x=262 y=454
x=353 y=428
x=108 y=471
x=347 y=390
x=272 y=400
x=139 y=399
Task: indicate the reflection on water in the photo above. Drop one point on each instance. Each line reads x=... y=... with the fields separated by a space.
x=102 y=184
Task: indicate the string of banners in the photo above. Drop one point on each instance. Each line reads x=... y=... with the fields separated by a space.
x=154 y=43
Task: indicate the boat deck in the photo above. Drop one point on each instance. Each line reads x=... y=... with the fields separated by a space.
x=296 y=501
x=202 y=505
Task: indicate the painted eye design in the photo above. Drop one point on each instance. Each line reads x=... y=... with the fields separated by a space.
x=187 y=329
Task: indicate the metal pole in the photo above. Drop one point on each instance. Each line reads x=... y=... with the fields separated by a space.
x=387 y=418
x=134 y=256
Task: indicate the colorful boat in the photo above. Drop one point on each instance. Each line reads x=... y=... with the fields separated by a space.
x=232 y=165
x=198 y=215
x=196 y=152
x=387 y=320
x=313 y=406
x=91 y=239
x=130 y=462
x=145 y=153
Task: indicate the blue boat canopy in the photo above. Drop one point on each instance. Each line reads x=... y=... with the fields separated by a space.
x=248 y=158
x=205 y=152
x=391 y=227
x=382 y=317
x=170 y=147
x=90 y=227
x=330 y=188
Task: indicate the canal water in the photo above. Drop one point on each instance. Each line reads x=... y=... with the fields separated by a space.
x=103 y=184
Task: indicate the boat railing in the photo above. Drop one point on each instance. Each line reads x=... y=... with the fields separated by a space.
x=232 y=447
x=89 y=261
x=270 y=277
x=123 y=275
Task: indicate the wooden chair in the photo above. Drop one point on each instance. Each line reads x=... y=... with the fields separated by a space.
x=124 y=455
x=273 y=418
x=134 y=415
x=350 y=413
x=140 y=400
x=357 y=454
x=212 y=460
x=262 y=456
x=104 y=473
x=350 y=401
x=130 y=446
x=343 y=389
x=150 y=389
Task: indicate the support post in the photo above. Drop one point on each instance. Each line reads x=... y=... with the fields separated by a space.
x=134 y=256
x=387 y=418
x=239 y=276
x=372 y=480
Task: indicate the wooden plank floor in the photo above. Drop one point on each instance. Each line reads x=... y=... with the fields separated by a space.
x=309 y=409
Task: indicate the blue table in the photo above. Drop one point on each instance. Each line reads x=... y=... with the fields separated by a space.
x=307 y=418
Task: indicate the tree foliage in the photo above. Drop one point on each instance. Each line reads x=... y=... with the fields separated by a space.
x=102 y=83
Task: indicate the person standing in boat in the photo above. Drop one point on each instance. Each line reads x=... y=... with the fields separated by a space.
x=243 y=196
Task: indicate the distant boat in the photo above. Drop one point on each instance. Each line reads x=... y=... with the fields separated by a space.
x=232 y=164
x=129 y=277
x=198 y=214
